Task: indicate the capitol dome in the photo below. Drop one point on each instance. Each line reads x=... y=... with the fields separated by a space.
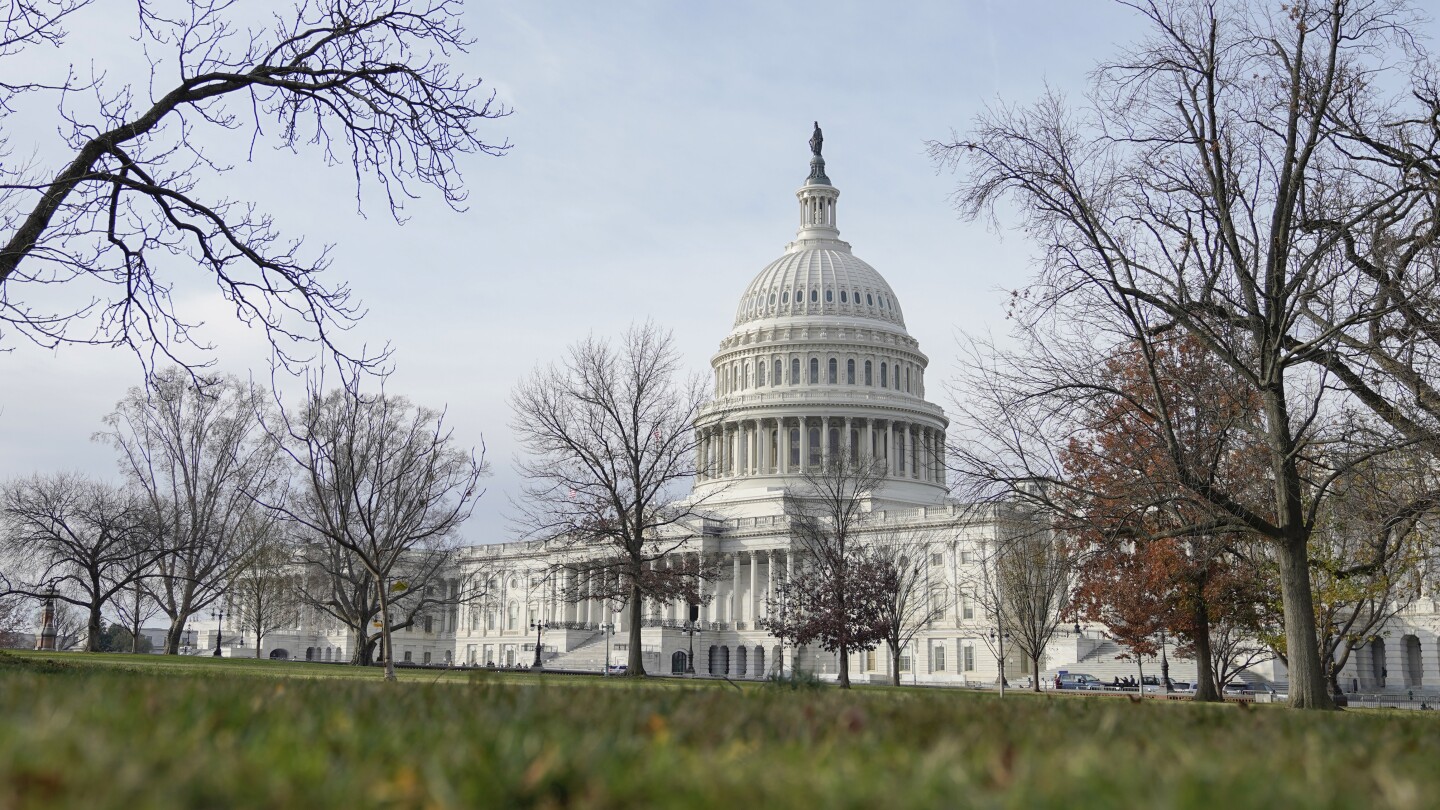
x=818 y=363
x=819 y=281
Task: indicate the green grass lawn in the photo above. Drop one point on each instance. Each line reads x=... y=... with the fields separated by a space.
x=99 y=731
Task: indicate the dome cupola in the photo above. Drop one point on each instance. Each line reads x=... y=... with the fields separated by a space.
x=818 y=363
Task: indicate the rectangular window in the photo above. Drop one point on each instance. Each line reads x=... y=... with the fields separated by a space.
x=849 y=372
x=937 y=658
x=967 y=557
x=869 y=373
x=937 y=559
x=967 y=606
x=869 y=660
x=905 y=660
x=969 y=652
x=832 y=370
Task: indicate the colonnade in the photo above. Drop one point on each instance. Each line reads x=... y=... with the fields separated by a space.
x=779 y=445
x=736 y=593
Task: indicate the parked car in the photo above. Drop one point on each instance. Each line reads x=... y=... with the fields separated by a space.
x=1078 y=680
x=1237 y=688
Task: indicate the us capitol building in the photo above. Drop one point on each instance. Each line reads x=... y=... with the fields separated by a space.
x=818 y=363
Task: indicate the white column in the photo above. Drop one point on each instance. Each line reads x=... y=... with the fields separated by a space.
x=782 y=445
x=735 y=589
x=867 y=449
x=700 y=591
x=763 y=457
x=804 y=444
x=845 y=443
x=750 y=602
x=824 y=440
x=769 y=579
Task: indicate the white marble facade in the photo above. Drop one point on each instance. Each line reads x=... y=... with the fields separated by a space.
x=818 y=362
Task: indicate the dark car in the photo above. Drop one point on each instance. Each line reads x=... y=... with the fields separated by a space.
x=1078 y=680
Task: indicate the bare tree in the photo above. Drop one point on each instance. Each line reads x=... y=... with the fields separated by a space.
x=611 y=437
x=1367 y=553
x=368 y=83
x=830 y=598
x=134 y=606
x=897 y=572
x=86 y=540
x=198 y=449
x=71 y=628
x=1034 y=571
x=382 y=482
x=333 y=581
x=1234 y=648
x=16 y=618
x=263 y=593
x=1187 y=196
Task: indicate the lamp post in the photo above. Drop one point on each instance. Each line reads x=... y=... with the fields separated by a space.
x=690 y=627
x=219 y=616
x=538 y=626
x=999 y=639
x=607 y=628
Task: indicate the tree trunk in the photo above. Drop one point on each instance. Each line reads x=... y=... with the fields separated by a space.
x=895 y=664
x=1308 y=689
x=1206 y=688
x=257 y=646
x=387 y=649
x=1035 y=673
x=177 y=624
x=92 y=643
x=635 y=661
x=842 y=657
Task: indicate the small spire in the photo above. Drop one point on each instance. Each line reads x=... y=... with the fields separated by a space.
x=817 y=163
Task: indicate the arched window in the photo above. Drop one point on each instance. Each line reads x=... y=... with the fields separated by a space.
x=844 y=299
x=832 y=373
x=794 y=448
x=814 y=459
x=814 y=296
x=814 y=371
x=869 y=299
x=512 y=621
x=745 y=376
x=760 y=375
x=779 y=371
x=884 y=375
x=834 y=442
x=849 y=372
x=785 y=297
x=869 y=373
x=829 y=298
x=794 y=371
x=907 y=379
x=772 y=299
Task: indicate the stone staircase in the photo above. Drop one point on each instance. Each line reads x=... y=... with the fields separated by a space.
x=589 y=656
x=1105 y=663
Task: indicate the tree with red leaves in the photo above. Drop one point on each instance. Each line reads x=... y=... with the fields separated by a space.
x=1146 y=568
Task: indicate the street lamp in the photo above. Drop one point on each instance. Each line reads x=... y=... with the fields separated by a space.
x=219 y=616
x=999 y=639
x=607 y=628
x=690 y=627
x=538 y=626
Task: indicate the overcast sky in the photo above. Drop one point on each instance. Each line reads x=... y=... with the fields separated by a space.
x=657 y=148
